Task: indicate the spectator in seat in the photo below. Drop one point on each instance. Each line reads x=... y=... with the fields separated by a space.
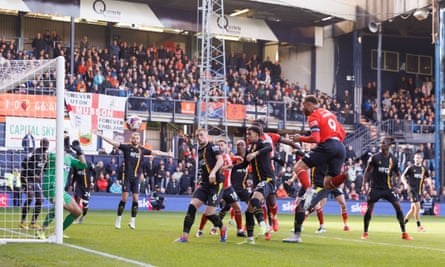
x=159 y=177
x=102 y=183
x=353 y=195
x=172 y=186
x=116 y=187
x=350 y=153
x=38 y=45
x=111 y=169
x=275 y=72
x=98 y=168
x=185 y=182
x=115 y=49
x=232 y=61
x=170 y=165
x=179 y=172
x=84 y=44
x=281 y=192
x=115 y=151
x=58 y=50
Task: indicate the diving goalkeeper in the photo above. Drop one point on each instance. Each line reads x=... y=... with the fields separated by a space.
x=49 y=184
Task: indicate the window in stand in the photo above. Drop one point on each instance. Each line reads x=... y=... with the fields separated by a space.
x=391 y=60
x=418 y=64
x=425 y=65
x=412 y=63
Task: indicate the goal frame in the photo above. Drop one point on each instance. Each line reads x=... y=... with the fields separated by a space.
x=11 y=82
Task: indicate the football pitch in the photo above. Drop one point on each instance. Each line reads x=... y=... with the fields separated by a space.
x=96 y=243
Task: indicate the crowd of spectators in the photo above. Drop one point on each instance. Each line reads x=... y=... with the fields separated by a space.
x=412 y=100
x=164 y=73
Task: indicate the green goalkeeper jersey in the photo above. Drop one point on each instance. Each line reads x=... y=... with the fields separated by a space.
x=49 y=179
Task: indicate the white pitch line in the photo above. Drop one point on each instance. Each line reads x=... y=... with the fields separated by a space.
x=377 y=243
x=109 y=255
x=19 y=233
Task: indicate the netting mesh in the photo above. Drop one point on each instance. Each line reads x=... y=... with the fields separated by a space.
x=28 y=118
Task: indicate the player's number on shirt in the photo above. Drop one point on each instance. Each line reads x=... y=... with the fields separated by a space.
x=332 y=125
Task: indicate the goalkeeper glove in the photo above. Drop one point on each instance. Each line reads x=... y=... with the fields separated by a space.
x=75 y=145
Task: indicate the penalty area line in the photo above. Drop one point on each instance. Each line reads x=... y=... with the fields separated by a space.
x=107 y=255
x=379 y=243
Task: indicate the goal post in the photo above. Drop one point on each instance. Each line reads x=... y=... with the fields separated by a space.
x=31 y=100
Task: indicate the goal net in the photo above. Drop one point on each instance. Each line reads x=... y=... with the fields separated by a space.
x=31 y=112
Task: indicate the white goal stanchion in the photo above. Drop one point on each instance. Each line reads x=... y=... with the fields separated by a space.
x=31 y=101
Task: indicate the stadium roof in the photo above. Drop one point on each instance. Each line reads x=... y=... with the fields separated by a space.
x=306 y=13
x=310 y=13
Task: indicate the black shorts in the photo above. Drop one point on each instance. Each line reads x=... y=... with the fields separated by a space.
x=243 y=194
x=337 y=192
x=131 y=185
x=33 y=190
x=321 y=194
x=331 y=152
x=301 y=192
x=414 y=196
x=266 y=188
x=209 y=194
x=375 y=195
x=82 y=192
x=229 y=195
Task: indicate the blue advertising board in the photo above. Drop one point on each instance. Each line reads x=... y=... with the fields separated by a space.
x=108 y=201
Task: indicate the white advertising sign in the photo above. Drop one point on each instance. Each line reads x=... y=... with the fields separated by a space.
x=119 y=11
x=242 y=27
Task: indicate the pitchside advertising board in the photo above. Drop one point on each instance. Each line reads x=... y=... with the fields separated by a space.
x=108 y=201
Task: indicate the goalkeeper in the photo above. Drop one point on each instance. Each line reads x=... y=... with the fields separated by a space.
x=49 y=185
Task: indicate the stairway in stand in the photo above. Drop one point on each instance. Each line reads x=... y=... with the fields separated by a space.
x=363 y=137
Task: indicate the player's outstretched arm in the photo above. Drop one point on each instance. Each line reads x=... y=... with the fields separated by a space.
x=404 y=179
x=290 y=143
x=162 y=153
x=106 y=139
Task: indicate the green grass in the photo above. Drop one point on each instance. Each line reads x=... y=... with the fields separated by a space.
x=152 y=244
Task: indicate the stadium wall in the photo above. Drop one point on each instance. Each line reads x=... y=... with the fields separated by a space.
x=325 y=66
x=295 y=61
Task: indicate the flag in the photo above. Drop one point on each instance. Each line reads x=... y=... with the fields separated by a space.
x=74 y=119
x=215 y=110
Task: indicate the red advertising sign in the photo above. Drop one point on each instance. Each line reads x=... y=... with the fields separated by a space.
x=19 y=105
x=188 y=108
x=236 y=112
x=3 y=200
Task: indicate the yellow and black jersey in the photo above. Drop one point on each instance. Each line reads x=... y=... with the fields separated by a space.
x=32 y=167
x=415 y=176
x=261 y=167
x=383 y=169
x=133 y=158
x=239 y=176
x=207 y=159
